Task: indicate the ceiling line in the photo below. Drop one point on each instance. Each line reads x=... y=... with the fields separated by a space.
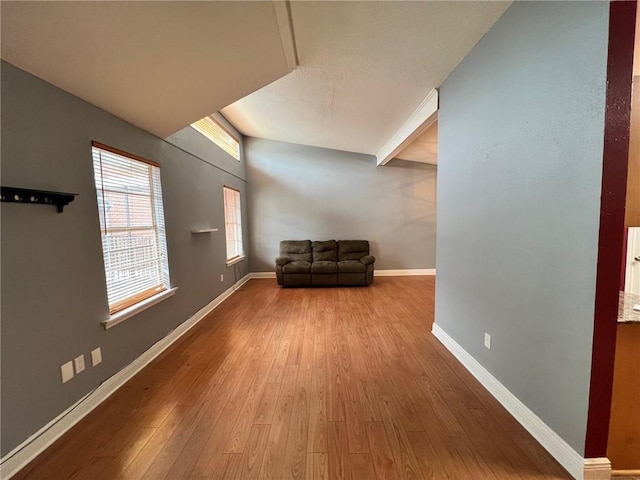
x=422 y=118
x=285 y=26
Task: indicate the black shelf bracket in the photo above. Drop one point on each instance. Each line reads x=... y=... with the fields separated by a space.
x=25 y=195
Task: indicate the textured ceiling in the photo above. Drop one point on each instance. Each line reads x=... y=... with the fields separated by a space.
x=364 y=66
x=158 y=65
x=364 y=69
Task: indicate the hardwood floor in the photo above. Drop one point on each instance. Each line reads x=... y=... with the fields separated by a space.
x=328 y=383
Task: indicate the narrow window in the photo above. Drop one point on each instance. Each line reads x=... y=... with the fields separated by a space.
x=233 y=224
x=134 y=244
x=218 y=134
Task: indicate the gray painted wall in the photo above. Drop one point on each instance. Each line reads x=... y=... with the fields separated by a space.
x=301 y=192
x=521 y=126
x=53 y=285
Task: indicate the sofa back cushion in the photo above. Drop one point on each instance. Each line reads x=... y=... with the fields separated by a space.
x=352 y=249
x=296 y=250
x=325 y=251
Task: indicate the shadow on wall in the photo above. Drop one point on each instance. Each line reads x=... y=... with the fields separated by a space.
x=298 y=192
x=296 y=214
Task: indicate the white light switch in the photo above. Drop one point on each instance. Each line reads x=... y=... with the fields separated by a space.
x=67 y=372
x=487 y=341
x=222 y=277
x=96 y=356
x=79 y=361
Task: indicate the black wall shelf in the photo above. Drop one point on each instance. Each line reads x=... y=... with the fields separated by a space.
x=25 y=195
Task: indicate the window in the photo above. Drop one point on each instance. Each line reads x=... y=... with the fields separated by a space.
x=233 y=224
x=219 y=134
x=132 y=225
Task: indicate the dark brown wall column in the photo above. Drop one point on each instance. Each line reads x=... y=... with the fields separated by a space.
x=610 y=244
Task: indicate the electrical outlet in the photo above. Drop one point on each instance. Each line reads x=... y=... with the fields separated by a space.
x=222 y=277
x=96 y=356
x=67 y=372
x=79 y=361
x=487 y=340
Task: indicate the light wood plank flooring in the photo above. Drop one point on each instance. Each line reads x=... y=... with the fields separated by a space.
x=330 y=383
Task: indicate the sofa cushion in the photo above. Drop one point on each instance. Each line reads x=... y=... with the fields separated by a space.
x=325 y=251
x=351 y=266
x=324 y=267
x=297 y=266
x=352 y=249
x=296 y=250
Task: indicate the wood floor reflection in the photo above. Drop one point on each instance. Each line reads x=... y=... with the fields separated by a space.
x=329 y=383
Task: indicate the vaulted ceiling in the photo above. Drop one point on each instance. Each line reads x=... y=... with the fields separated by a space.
x=159 y=65
x=363 y=68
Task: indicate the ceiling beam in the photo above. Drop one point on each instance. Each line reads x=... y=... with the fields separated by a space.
x=421 y=119
x=285 y=25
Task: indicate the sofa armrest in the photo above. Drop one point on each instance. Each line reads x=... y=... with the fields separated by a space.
x=279 y=275
x=367 y=260
x=282 y=260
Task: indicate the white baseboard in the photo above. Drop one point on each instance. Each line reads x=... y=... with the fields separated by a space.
x=579 y=467
x=263 y=275
x=404 y=273
x=20 y=456
x=597 y=469
x=376 y=273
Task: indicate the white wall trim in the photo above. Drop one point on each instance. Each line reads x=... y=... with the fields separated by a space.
x=421 y=119
x=263 y=275
x=597 y=469
x=20 y=456
x=571 y=460
x=285 y=26
x=233 y=261
x=404 y=273
x=376 y=273
x=135 y=309
x=625 y=473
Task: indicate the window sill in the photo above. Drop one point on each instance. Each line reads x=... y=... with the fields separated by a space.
x=129 y=312
x=233 y=261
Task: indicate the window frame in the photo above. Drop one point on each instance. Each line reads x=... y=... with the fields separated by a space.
x=240 y=253
x=217 y=124
x=144 y=298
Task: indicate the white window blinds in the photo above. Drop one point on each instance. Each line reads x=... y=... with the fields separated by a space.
x=134 y=244
x=218 y=134
x=232 y=223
